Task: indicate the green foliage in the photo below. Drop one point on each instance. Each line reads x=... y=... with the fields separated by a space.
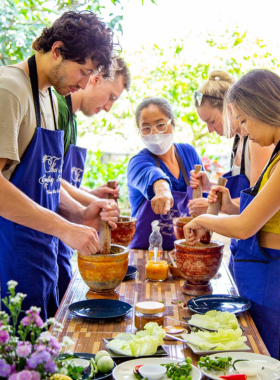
x=98 y=173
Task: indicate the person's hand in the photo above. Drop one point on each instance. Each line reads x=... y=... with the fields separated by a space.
x=193 y=231
x=103 y=191
x=198 y=206
x=226 y=204
x=194 y=182
x=101 y=210
x=84 y=239
x=162 y=202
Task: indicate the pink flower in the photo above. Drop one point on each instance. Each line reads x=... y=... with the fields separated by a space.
x=24 y=375
x=13 y=377
x=38 y=321
x=24 y=349
x=4 y=337
x=26 y=321
x=35 y=375
x=54 y=343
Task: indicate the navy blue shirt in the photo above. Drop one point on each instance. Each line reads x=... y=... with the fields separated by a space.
x=142 y=172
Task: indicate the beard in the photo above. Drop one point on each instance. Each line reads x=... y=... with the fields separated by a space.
x=58 y=78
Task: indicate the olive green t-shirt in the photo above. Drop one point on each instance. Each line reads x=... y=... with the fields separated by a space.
x=64 y=121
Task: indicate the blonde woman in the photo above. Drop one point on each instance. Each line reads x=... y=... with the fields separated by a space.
x=247 y=158
x=254 y=102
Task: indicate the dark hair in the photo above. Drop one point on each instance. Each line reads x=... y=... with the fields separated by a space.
x=162 y=104
x=83 y=36
x=257 y=95
x=122 y=69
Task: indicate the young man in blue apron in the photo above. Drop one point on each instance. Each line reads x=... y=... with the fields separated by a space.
x=31 y=158
x=100 y=94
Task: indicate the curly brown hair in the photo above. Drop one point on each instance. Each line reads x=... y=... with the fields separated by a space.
x=83 y=36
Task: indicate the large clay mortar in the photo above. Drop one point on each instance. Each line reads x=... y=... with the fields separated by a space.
x=124 y=232
x=178 y=225
x=198 y=265
x=103 y=273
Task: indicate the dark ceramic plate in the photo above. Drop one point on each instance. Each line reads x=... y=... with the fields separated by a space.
x=160 y=352
x=100 y=309
x=130 y=272
x=219 y=302
x=86 y=373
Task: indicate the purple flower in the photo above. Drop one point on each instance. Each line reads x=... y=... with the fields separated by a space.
x=38 y=321
x=38 y=358
x=24 y=375
x=13 y=377
x=40 y=347
x=4 y=337
x=50 y=366
x=35 y=375
x=26 y=321
x=5 y=369
x=54 y=343
x=24 y=349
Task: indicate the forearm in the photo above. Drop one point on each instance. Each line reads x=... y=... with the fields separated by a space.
x=161 y=186
x=80 y=195
x=226 y=225
x=69 y=208
x=18 y=208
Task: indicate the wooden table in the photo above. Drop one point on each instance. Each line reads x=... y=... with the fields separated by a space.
x=87 y=334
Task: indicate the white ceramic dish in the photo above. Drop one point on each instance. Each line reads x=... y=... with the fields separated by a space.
x=81 y=363
x=152 y=371
x=271 y=366
x=242 y=348
x=124 y=371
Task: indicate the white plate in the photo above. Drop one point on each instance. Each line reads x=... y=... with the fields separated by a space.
x=271 y=370
x=124 y=371
x=242 y=348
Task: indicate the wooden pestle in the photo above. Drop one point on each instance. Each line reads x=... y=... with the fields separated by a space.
x=105 y=231
x=213 y=209
x=197 y=193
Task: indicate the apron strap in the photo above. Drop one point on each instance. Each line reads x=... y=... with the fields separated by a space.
x=234 y=150
x=69 y=104
x=242 y=168
x=35 y=88
x=255 y=189
x=51 y=99
x=180 y=163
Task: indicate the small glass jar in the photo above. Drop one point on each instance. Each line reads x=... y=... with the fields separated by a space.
x=157 y=271
x=148 y=311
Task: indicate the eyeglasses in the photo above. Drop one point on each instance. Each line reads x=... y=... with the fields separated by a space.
x=198 y=97
x=160 y=128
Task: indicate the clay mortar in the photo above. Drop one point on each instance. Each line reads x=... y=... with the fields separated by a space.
x=124 y=232
x=178 y=225
x=103 y=273
x=198 y=265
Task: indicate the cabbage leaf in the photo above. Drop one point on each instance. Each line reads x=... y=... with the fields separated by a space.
x=214 y=319
x=223 y=339
x=144 y=343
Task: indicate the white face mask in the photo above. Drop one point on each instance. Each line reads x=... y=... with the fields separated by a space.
x=158 y=144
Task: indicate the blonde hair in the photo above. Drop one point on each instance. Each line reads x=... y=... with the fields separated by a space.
x=217 y=85
x=257 y=96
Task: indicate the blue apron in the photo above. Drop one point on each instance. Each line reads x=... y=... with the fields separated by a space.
x=145 y=215
x=29 y=256
x=236 y=184
x=256 y=272
x=73 y=170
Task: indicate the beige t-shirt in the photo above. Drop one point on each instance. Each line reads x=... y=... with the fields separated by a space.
x=17 y=115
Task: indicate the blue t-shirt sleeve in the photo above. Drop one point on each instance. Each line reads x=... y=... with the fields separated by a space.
x=142 y=173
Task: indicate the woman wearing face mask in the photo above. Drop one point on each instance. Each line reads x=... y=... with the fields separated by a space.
x=158 y=183
x=247 y=158
x=254 y=101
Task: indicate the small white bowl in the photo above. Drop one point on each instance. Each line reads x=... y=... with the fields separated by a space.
x=152 y=371
x=249 y=368
x=81 y=363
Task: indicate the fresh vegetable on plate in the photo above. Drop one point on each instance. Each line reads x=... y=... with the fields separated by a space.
x=238 y=376
x=220 y=364
x=180 y=371
x=144 y=343
x=105 y=364
x=136 y=372
x=214 y=319
x=222 y=339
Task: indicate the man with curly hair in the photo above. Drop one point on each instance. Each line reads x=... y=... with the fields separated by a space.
x=35 y=211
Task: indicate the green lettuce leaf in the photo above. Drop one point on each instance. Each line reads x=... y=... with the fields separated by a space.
x=224 y=339
x=214 y=319
x=142 y=344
